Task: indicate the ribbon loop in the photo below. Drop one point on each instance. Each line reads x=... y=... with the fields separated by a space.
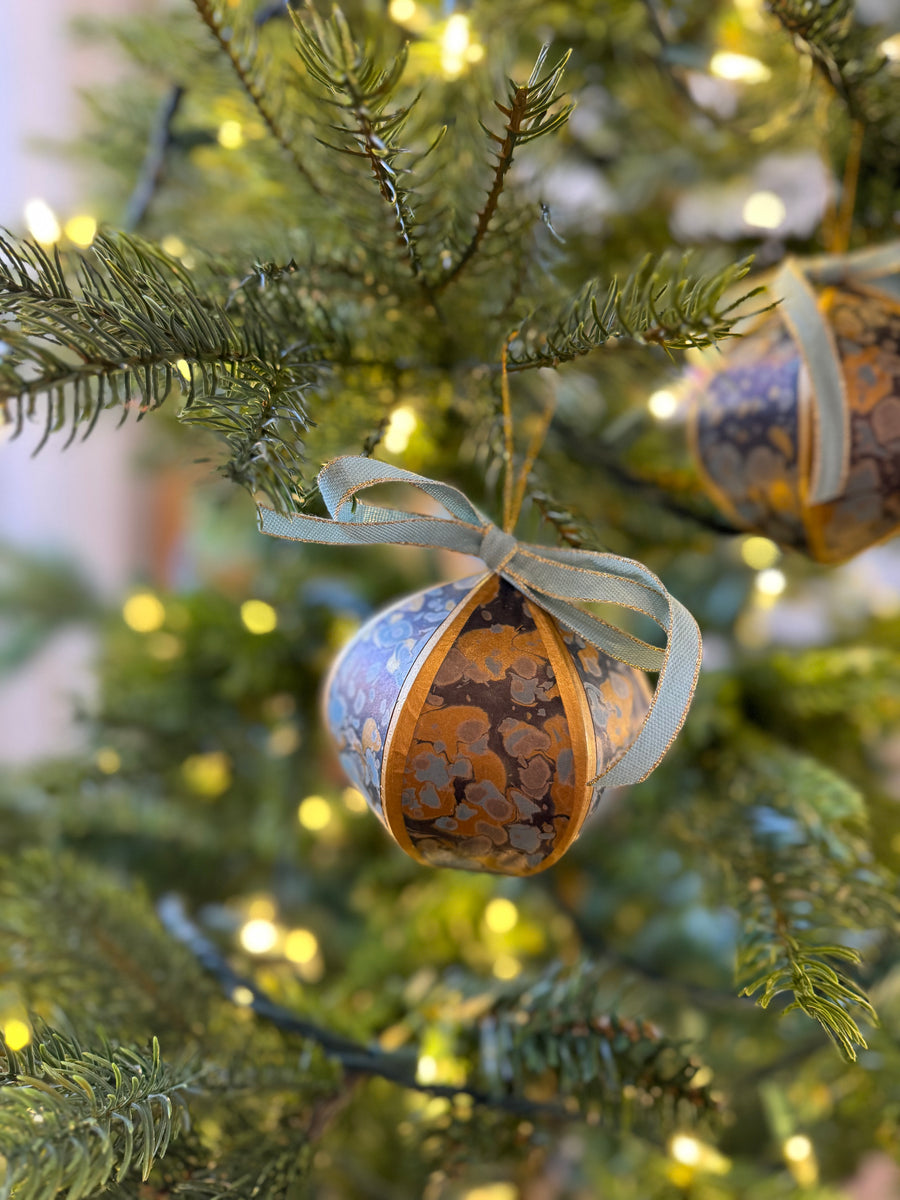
x=550 y=577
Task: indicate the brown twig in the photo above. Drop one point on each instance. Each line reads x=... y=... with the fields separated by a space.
x=207 y=14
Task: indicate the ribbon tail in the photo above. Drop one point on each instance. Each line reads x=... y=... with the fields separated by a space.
x=669 y=706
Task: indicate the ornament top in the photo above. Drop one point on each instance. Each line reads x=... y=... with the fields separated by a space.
x=550 y=577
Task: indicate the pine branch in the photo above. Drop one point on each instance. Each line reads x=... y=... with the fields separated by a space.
x=131 y=326
x=668 y=303
x=848 y=57
x=361 y=89
x=560 y=1027
x=792 y=842
x=73 y=1119
x=68 y=929
x=256 y=79
x=528 y=117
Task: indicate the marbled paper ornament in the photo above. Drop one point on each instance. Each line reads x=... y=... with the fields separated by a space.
x=482 y=718
x=797 y=433
x=474 y=724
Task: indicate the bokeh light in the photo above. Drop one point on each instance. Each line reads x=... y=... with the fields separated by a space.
x=143 y=612
x=258 y=616
x=258 y=936
x=41 y=222
x=314 y=813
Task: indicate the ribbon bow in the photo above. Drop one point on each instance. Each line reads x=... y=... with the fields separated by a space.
x=550 y=577
x=806 y=319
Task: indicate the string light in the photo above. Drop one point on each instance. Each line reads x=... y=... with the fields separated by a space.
x=759 y=553
x=301 y=946
x=771 y=582
x=764 y=210
x=258 y=616
x=242 y=996
x=400 y=429
x=207 y=775
x=663 y=405
x=402 y=10
x=501 y=915
x=16 y=1034
x=41 y=222
x=143 y=612
x=738 y=68
x=262 y=907
x=354 y=801
x=686 y=1150
x=427 y=1069
x=81 y=229
x=230 y=135
x=507 y=967
x=173 y=245
x=314 y=813
x=493 y=1191
x=454 y=45
x=258 y=936
x=801 y=1158
x=283 y=740
x=797 y=1148
x=890 y=47
x=108 y=760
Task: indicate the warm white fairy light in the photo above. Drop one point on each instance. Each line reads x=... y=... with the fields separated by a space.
x=230 y=135
x=738 y=68
x=258 y=616
x=663 y=405
x=427 y=1069
x=507 y=966
x=258 y=936
x=686 y=1149
x=81 y=229
x=402 y=10
x=400 y=429
x=759 y=552
x=764 y=210
x=314 y=813
x=501 y=915
x=143 y=612
x=41 y=222
x=454 y=45
x=301 y=946
x=771 y=582
x=16 y=1034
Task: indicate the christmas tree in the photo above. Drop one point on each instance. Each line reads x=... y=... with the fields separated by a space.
x=497 y=246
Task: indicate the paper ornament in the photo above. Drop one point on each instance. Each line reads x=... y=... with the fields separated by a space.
x=797 y=433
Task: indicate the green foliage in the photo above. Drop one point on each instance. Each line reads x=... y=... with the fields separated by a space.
x=528 y=116
x=271 y=88
x=131 y=326
x=847 y=56
x=557 y=1035
x=38 y=595
x=793 y=842
x=102 y=1115
x=669 y=303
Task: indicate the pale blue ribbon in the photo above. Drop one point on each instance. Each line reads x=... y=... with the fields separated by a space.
x=549 y=576
x=811 y=331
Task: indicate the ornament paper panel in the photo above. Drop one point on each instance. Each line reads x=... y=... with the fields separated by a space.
x=754 y=430
x=618 y=697
x=867 y=331
x=367 y=678
x=748 y=435
x=493 y=777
